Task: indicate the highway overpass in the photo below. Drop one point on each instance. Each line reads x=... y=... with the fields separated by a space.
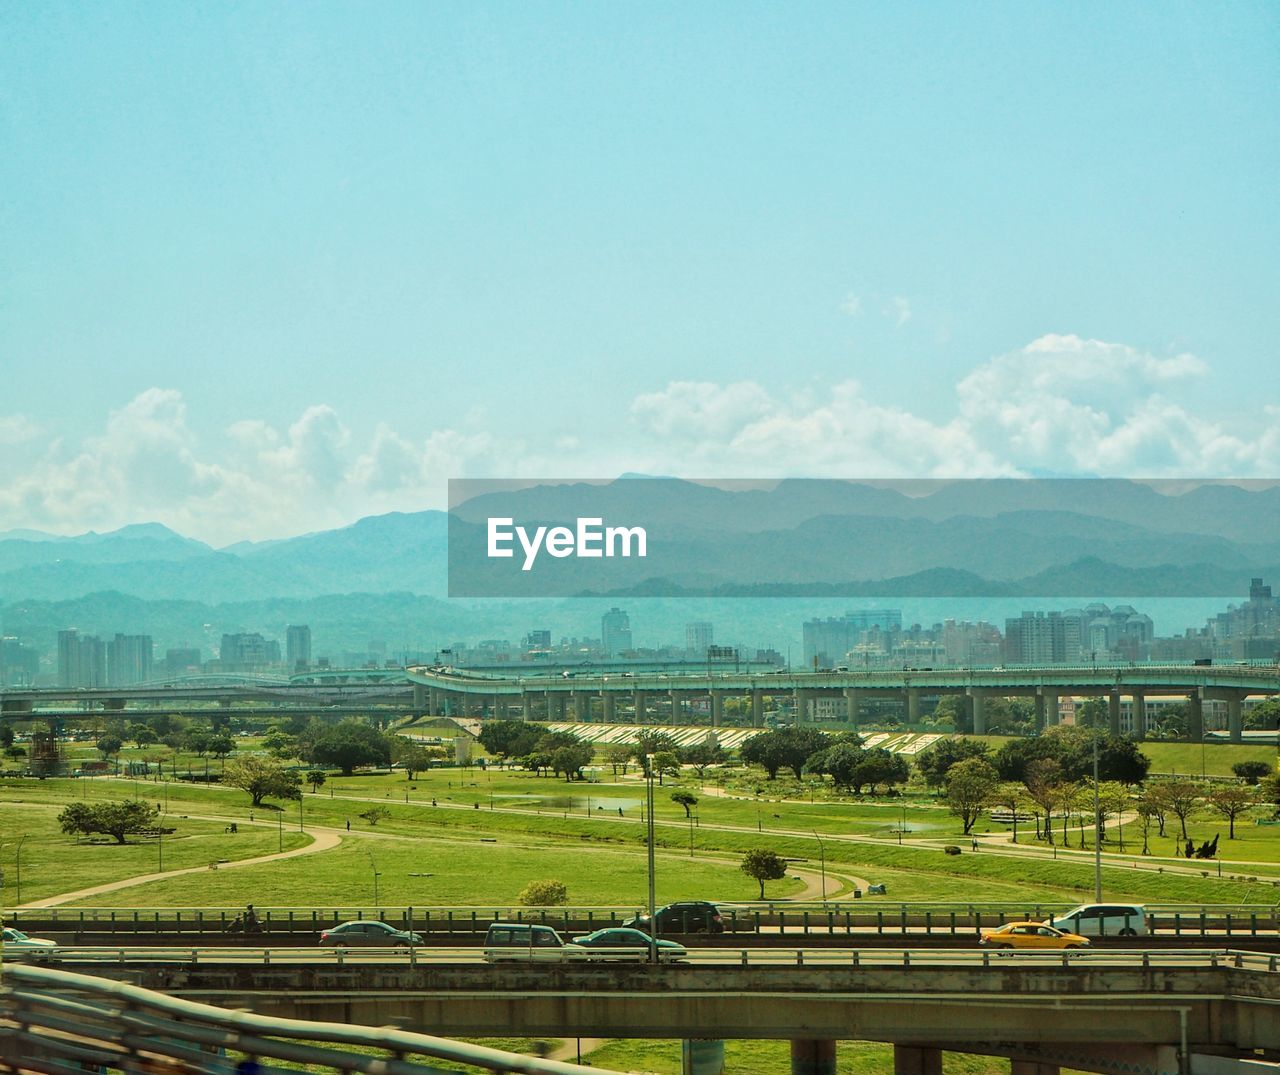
x=1107 y=1012
x=637 y=697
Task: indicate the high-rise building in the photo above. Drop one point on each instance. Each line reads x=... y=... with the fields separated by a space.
x=19 y=664
x=81 y=660
x=698 y=637
x=128 y=660
x=246 y=652
x=615 y=632
x=182 y=659
x=827 y=641
x=538 y=639
x=297 y=641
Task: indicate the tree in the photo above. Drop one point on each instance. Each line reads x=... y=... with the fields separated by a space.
x=703 y=755
x=879 y=766
x=570 y=760
x=784 y=747
x=1155 y=800
x=666 y=763
x=220 y=745
x=508 y=738
x=935 y=762
x=1093 y=713
x=1231 y=800
x=349 y=744
x=839 y=762
x=1251 y=771
x=1144 y=815
x=651 y=741
x=544 y=894
x=374 y=814
x=262 y=778
x=316 y=778
x=111 y=818
x=1183 y=799
x=279 y=744
x=763 y=865
x=1263 y=717
x=970 y=786
x=109 y=745
x=1042 y=780
x=1010 y=795
x=141 y=734
x=687 y=799
x=539 y=761
x=6 y=736
x=1269 y=790
x=618 y=755
x=1113 y=800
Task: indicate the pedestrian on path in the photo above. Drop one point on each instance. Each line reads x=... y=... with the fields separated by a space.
x=975 y=841
x=348 y=824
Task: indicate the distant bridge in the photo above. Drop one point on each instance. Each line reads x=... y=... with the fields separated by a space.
x=453 y=692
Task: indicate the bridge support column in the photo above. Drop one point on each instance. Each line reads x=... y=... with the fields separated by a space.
x=913 y=705
x=1033 y=1067
x=757 y=708
x=979 y=704
x=1051 y=709
x=1235 y=725
x=640 y=706
x=419 y=700
x=913 y=1060
x=1139 y=702
x=607 y=700
x=851 y=704
x=803 y=711
x=677 y=706
x=581 y=707
x=1113 y=712
x=702 y=1056
x=717 y=708
x=1195 y=720
x=526 y=706
x=502 y=705
x=813 y=1056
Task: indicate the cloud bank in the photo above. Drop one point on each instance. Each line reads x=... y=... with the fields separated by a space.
x=1061 y=405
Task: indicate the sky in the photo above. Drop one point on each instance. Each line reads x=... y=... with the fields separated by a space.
x=267 y=268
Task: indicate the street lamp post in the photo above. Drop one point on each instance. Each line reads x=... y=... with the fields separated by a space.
x=160 y=848
x=653 y=925
x=1097 y=827
x=17 y=868
x=300 y=828
x=280 y=827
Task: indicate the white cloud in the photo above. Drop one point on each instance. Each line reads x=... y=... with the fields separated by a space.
x=852 y=305
x=1060 y=404
x=898 y=309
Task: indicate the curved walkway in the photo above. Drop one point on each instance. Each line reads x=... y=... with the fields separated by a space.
x=321 y=840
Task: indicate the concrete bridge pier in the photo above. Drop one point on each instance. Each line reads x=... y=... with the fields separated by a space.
x=1040 y=711
x=851 y=701
x=419 y=700
x=979 y=703
x=607 y=700
x=502 y=705
x=639 y=702
x=677 y=706
x=813 y=1056
x=702 y=1056
x=1139 y=703
x=913 y=705
x=804 y=711
x=1113 y=712
x=1195 y=722
x=917 y=1060
x=1051 y=713
x=717 y=708
x=526 y=706
x=581 y=707
x=757 y=708
x=1235 y=723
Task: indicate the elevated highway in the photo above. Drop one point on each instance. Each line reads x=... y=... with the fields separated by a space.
x=636 y=697
x=1109 y=1012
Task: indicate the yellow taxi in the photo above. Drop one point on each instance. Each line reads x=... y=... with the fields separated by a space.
x=1030 y=935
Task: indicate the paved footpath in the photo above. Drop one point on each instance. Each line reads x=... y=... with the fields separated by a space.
x=321 y=840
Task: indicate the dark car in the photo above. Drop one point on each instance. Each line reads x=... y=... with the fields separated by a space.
x=368 y=935
x=687 y=916
x=629 y=946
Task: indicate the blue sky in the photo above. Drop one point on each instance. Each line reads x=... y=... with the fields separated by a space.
x=267 y=268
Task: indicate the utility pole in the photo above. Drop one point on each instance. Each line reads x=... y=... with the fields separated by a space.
x=653 y=924
x=1097 y=827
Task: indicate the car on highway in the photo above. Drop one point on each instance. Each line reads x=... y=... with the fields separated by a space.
x=1105 y=920
x=522 y=942
x=686 y=916
x=17 y=945
x=623 y=945
x=368 y=934
x=1033 y=936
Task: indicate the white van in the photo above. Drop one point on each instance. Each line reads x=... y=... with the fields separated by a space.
x=1104 y=920
x=512 y=942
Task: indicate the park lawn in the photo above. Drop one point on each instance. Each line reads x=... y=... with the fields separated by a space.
x=1253 y=844
x=457 y=871
x=53 y=862
x=772 y=1057
x=1209 y=759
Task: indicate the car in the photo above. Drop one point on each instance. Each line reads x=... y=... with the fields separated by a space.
x=1105 y=920
x=369 y=934
x=515 y=942
x=624 y=945
x=1035 y=936
x=686 y=916
x=17 y=945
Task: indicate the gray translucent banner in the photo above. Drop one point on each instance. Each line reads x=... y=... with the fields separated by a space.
x=1037 y=537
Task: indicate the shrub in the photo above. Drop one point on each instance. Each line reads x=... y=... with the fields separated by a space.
x=543 y=894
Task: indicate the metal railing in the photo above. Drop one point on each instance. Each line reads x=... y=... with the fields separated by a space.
x=730 y=957
x=60 y=1023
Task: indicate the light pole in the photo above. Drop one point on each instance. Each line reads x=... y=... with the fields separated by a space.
x=903 y=827
x=1097 y=827
x=300 y=828
x=691 y=835
x=160 y=848
x=280 y=826
x=822 y=857
x=648 y=767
